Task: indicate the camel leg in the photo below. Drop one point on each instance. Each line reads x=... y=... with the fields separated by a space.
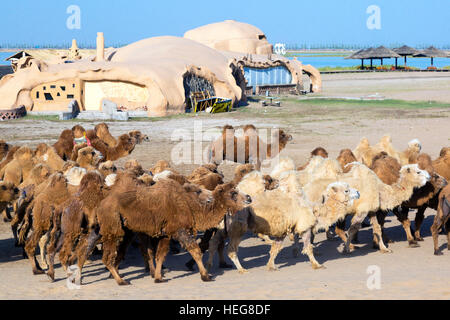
x=30 y=249
x=43 y=249
x=352 y=231
x=277 y=245
x=192 y=247
x=235 y=235
x=447 y=229
x=109 y=259
x=6 y=215
x=437 y=224
x=378 y=233
x=52 y=249
x=340 y=230
x=85 y=247
x=204 y=244
x=213 y=246
x=296 y=245
x=161 y=252
x=402 y=216
x=420 y=216
x=221 y=251
x=381 y=218
x=308 y=250
x=144 y=247
x=123 y=246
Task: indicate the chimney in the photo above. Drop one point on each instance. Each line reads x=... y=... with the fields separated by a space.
x=100 y=47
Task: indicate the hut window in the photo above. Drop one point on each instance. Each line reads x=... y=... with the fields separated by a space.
x=37 y=94
x=73 y=85
x=63 y=88
x=48 y=96
x=58 y=94
x=261 y=37
x=52 y=87
x=70 y=96
x=44 y=88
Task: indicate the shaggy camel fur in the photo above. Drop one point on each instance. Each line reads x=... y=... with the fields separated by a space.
x=64 y=145
x=8 y=194
x=74 y=217
x=281 y=211
x=48 y=155
x=20 y=167
x=247 y=149
x=4 y=148
x=55 y=193
x=319 y=151
x=102 y=132
x=444 y=151
x=345 y=158
x=422 y=198
x=364 y=153
x=138 y=136
x=442 y=165
x=203 y=176
x=165 y=209
x=87 y=158
x=107 y=168
x=9 y=157
x=375 y=195
x=442 y=219
x=124 y=147
x=160 y=166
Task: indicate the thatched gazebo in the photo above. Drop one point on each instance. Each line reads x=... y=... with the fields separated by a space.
x=360 y=54
x=431 y=52
x=404 y=51
x=380 y=53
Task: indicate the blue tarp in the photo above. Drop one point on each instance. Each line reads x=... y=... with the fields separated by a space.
x=274 y=75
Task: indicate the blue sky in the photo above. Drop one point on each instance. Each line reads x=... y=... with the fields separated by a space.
x=413 y=22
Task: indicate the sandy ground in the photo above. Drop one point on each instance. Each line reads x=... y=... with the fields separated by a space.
x=426 y=86
x=407 y=273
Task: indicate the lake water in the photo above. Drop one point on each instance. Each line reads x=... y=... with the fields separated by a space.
x=326 y=61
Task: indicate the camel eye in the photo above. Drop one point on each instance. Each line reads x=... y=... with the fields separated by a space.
x=199 y=192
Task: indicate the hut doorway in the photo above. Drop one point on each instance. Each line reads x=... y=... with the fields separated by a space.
x=195 y=84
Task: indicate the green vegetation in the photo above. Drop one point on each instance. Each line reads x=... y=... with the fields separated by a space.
x=388 y=103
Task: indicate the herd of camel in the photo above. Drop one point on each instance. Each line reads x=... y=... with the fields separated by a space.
x=70 y=198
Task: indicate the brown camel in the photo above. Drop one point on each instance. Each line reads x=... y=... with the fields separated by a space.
x=247 y=149
x=442 y=219
x=319 y=151
x=64 y=145
x=345 y=158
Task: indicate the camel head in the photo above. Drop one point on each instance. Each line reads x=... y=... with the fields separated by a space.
x=8 y=192
x=40 y=173
x=134 y=166
x=252 y=183
x=147 y=179
x=107 y=168
x=139 y=136
x=78 y=131
x=100 y=128
x=66 y=135
x=413 y=175
x=415 y=146
x=87 y=155
x=57 y=182
x=4 y=147
x=213 y=167
x=241 y=171
x=438 y=181
x=230 y=198
x=283 y=138
x=204 y=196
x=341 y=192
x=128 y=143
x=444 y=151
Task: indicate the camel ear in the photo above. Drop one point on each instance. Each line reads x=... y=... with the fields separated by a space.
x=334 y=189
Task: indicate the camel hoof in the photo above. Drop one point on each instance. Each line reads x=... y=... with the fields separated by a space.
x=123 y=283
x=206 y=278
x=225 y=265
x=438 y=253
x=273 y=269
x=413 y=244
x=37 y=271
x=419 y=239
x=386 y=251
x=318 y=266
x=160 y=280
x=51 y=276
x=242 y=271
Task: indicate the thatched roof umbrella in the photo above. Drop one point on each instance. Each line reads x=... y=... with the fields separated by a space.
x=432 y=52
x=360 y=54
x=405 y=51
x=380 y=53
